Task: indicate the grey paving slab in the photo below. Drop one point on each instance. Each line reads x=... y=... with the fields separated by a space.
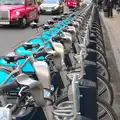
x=111 y=33
x=113 y=29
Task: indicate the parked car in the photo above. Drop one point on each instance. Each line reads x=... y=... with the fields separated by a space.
x=18 y=12
x=52 y=6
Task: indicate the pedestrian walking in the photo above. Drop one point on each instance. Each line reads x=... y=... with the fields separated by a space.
x=118 y=6
x=99 y=5
x=110 y=8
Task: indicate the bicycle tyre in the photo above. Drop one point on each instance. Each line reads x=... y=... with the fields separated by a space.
x=104 y=68
x=100 y=42
x=107 y=87
x=108 y=109
x=100 y=48
x=101 y=57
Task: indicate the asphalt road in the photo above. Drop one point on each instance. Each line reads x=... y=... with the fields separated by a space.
x=12 y=36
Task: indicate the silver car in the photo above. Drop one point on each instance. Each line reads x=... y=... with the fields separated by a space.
x=52 y=6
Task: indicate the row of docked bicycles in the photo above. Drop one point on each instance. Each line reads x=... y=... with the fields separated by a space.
x=41 y=79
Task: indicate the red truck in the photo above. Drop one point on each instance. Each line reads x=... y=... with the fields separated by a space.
x=18 y=12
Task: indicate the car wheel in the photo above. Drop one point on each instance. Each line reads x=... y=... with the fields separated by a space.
x=23 y=22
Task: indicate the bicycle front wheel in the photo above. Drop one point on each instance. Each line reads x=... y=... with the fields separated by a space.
x=109 y=112
x=105 y=90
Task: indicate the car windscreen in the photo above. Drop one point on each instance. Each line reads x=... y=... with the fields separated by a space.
x=51 y=1
x=11 y=2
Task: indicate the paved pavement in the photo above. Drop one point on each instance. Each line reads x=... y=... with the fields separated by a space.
x=111 y=31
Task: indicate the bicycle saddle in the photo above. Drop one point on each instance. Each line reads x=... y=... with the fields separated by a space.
x=41 y=52
x=50 y=22
x=68 y=30
x=73 y=24
x=12 y=57
x=37 y=25
x=60 y=18
x=46 y=27
x=55 y=18
x=66 y=14
x=29 y=46
x=34 y=25
x=70 y=24
x=57 y=38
